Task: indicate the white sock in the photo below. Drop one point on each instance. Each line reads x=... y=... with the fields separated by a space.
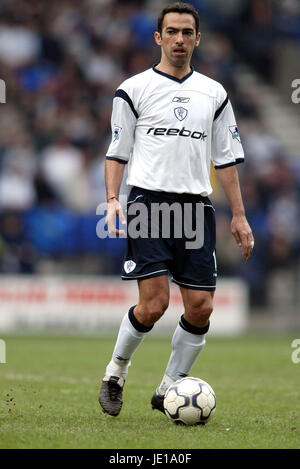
x=166 y=382
x=128 y=340
x=186 y=347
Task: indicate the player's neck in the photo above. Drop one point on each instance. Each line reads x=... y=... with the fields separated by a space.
x=169 y=69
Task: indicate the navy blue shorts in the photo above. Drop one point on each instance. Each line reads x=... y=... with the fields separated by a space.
x=171 y=233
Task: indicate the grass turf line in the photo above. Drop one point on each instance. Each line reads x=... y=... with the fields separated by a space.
x=49 y=395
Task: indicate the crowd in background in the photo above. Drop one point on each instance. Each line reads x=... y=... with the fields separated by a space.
x=61 y=62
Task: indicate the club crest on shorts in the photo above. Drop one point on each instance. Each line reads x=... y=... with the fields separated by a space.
x=129 y=266
x=180 y=113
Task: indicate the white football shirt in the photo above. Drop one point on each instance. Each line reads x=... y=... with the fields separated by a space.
x=169 y=130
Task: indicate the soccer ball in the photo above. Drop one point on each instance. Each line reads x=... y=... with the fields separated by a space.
x=190 y=401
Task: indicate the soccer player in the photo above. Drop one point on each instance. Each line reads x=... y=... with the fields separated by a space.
x=169 y=123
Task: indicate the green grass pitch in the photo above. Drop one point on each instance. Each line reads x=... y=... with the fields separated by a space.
x=49 y=395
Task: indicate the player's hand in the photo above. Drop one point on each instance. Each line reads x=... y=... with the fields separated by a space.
x=243 y=235
x=114 y=209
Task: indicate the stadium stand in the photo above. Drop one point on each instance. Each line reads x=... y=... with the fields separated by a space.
x=62 y=61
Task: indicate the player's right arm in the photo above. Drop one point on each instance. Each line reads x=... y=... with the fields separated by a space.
x=123 y=123
x=114 y=172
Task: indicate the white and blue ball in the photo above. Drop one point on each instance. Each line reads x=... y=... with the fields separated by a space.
x=190 y=401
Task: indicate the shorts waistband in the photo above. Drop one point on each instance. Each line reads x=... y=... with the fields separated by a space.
x=172 y=196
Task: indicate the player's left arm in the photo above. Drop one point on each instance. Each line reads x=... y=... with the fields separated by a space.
x=239 y=225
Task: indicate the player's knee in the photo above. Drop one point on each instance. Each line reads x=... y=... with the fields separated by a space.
x=198 y=313
x=155 y=308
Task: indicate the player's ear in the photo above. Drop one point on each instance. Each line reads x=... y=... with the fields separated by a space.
x=198 y=37
x=157 y=38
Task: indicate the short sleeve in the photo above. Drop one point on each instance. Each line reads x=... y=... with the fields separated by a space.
x=123 y=122
x=227 y=148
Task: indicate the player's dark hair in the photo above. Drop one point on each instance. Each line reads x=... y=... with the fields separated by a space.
x=178 y=7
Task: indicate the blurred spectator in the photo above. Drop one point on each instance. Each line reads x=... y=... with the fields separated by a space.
x=17 y=255
x=287 y=18
x=16 y=178
x=18 y=45
x=260 y=147
x=62 y=166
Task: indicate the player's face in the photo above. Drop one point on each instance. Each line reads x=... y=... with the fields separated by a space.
x=178 y=38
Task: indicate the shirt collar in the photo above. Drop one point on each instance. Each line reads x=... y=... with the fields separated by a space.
x=171 y=77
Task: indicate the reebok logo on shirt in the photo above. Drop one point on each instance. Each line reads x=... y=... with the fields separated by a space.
x=174 y=132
